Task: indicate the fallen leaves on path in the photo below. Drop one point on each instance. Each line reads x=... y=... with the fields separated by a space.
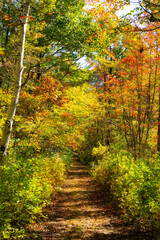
x=77 y=213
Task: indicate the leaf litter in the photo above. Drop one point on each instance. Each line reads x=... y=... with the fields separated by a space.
x=79 y=211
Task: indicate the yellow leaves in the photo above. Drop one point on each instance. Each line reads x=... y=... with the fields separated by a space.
x=83 y=101
x=104 y=35
x=108 y=5
x=46 y=6
x=51 y=3
x=82 y=110
x=106 y=63
x=1 y=51
x=38 y=35
x=5 y=99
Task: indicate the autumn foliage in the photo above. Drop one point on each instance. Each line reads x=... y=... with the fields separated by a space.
x=90 y=81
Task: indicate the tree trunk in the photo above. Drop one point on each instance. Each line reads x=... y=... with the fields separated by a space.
x=7 y=129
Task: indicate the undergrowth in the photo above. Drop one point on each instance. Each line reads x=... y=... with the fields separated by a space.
x=25 y=187
x=134 y=185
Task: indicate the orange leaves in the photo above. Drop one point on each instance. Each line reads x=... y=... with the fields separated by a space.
x=50 y=89
x=7 y=18
x=63 y=101
x=1 y=51
x=43 y=96
x=69 y=119
x=130 y=60
x=66 y=114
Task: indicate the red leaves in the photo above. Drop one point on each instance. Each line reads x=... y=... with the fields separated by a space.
x=23 y=17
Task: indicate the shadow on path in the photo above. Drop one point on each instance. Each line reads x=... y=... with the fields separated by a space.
x=77 y=213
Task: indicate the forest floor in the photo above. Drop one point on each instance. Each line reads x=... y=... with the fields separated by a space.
x=79 y=212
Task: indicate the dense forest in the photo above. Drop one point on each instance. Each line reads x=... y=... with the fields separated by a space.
x=79 y=78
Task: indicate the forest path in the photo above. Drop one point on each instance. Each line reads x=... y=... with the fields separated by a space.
x=78 y=212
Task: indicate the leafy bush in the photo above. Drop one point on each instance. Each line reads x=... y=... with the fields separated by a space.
x=67 y=157
x=134 y=185
x=25 y=188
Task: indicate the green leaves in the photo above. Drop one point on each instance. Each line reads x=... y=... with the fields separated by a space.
x=134 y=185
x=25 y=188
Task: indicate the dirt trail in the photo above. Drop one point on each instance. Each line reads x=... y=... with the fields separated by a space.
x=77 y=213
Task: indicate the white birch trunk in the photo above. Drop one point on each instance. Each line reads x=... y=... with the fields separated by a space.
x=7 y=129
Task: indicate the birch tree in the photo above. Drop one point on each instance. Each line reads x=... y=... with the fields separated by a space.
x=7 y=129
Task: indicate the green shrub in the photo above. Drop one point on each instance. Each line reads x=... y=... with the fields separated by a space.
x=25 y=188
x=134 y=185
x=67 y=157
